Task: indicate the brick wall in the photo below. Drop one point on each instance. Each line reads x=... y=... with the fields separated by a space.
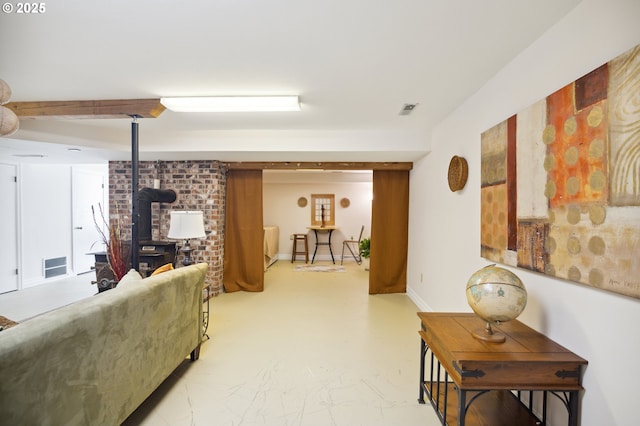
x=199 y=185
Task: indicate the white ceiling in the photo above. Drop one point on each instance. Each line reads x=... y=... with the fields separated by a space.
x=354 y=63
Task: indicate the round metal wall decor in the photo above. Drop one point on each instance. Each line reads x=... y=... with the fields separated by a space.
x=344 y=203
x=302 y=202
x=458 y=173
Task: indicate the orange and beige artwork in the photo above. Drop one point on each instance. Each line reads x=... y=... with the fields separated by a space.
x=560 y=180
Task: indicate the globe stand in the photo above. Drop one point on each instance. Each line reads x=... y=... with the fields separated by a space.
x=496 y=295
x=488 y=335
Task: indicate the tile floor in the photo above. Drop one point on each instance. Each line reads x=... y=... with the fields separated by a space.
x=313 y=349
x=58 y=292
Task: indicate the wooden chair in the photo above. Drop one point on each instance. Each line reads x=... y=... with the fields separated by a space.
x=295 y=252
x=354 y=247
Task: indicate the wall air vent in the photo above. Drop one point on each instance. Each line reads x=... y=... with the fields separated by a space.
x=54 y=266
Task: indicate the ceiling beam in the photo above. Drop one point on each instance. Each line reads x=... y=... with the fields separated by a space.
x=318 y=165
x=115 y=108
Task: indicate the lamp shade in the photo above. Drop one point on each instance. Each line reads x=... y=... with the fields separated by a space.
x=186 y=224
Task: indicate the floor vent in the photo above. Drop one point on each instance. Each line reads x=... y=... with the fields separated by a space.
x=55 y=266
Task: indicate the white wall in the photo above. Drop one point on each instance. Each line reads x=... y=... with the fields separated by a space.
x=45 y=203
x=280 y=208
x=45 y=209
x=444 y=243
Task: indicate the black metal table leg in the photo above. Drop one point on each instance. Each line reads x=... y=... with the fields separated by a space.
x=423 y=354
x=316 y=250
x=318 y=243
x=573 y=408
x=331 y=250
x=462 y=406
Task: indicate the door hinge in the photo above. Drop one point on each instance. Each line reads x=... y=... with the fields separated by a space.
x=16 y=272
x=15 y=179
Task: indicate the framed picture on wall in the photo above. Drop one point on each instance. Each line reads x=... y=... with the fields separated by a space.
x=323 y=208
x=560 y=185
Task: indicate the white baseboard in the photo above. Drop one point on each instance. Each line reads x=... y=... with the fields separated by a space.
x=419 y=302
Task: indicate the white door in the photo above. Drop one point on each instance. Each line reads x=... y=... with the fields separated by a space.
x=8 y=229
x=87 y=190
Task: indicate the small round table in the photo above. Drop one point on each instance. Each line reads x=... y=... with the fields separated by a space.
x=329 y=230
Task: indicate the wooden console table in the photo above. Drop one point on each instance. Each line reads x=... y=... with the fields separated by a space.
x=494 y=383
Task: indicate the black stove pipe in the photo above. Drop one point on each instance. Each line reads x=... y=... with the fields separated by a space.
x=146 y=196
x=135 y=237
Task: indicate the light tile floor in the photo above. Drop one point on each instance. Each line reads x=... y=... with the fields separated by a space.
x=313 y=349
x=58 y=292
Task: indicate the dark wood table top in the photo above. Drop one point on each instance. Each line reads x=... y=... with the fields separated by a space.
x=526 y=360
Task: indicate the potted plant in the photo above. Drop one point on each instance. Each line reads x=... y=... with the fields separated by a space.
x=365 y=252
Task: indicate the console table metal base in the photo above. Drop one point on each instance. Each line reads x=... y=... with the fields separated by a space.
x=454 y=406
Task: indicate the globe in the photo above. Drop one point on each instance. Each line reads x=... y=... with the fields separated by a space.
x=496 y=295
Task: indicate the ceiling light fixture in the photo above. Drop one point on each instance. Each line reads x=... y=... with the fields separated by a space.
x=232 y=103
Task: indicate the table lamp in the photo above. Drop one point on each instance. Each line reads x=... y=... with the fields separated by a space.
x=186 y=225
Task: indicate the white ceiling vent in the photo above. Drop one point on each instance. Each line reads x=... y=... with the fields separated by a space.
x=407 y=109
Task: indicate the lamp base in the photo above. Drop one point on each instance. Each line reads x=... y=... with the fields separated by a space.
x=488 y=335
x=186 y=250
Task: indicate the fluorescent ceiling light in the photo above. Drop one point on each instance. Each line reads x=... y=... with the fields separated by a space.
x=232 y=103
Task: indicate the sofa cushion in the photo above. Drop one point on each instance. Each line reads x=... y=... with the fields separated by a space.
x=131 y=278
x=163 y=268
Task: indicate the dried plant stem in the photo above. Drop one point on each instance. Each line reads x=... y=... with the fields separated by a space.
x=114 y=244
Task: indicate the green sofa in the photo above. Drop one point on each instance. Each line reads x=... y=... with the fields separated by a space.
x=95 y=361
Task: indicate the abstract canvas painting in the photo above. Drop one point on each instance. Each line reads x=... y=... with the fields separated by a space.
x=560 y=182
